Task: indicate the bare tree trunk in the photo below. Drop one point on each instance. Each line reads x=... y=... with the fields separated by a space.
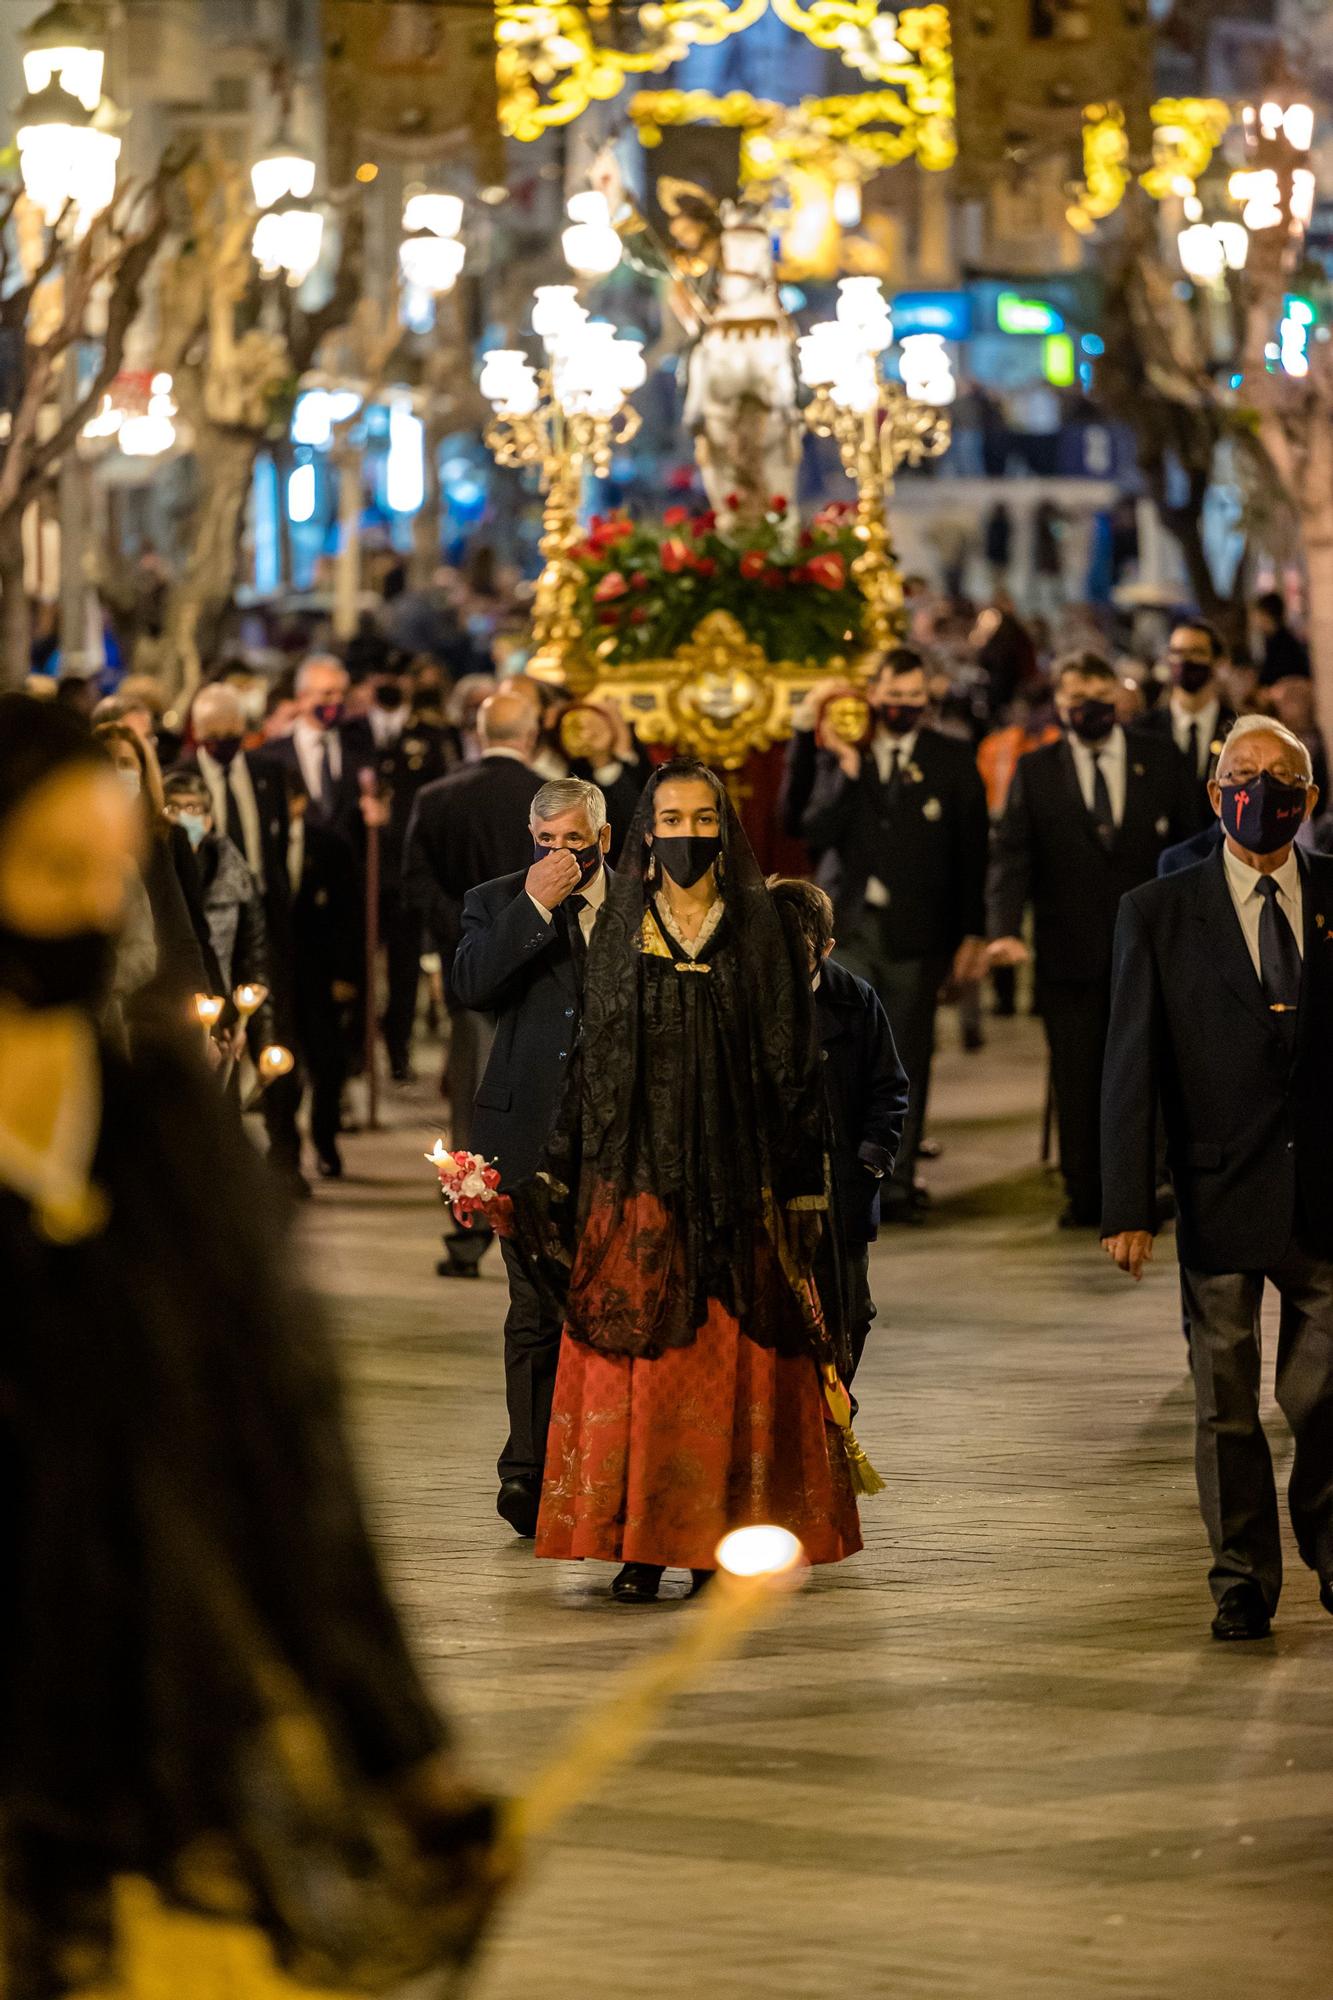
x=204 y=591
x=15 y=624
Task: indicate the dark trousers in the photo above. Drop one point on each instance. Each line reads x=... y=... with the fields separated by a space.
x=532 y=1352
x=322 y=1032
x=909 y=989
x=860 y=1305
x=280 y=1103
x=1075 y=1015
x=400 y=929
x=1237 y=1495
x=842 y=1279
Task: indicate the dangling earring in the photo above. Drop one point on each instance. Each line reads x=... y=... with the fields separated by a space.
x=650 y=872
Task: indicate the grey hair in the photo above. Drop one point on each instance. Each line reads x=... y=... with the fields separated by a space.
x=317 y=660
x=563 y=795
x=1267 y=725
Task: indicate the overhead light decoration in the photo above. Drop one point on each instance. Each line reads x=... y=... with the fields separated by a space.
x=289 y=234
x=927 y=371
x=149 y=434
x=1186 y=133
x=284 y=171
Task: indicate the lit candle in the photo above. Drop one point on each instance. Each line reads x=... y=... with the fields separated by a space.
x=274 y=1061
x=248 y=999
x=208 y=1007
x=757 y=1568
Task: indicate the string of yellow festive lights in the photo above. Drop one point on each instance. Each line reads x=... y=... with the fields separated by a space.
x=551 y=61
x=1186 y=133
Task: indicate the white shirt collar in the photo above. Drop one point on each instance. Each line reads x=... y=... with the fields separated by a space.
x=593 y=892
x=885 y=745
x=1113 y=746
x=1245 y=880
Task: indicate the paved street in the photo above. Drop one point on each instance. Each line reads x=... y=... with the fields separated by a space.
x=997 y=1754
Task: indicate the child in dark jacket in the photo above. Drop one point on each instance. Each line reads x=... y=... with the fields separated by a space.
x=865 y=1087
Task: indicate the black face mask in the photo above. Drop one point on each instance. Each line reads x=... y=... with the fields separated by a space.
x=588 y=858
x=1262 y=815
x=328 y=714
x=70 y=971
x=222 y=749
x=1190 y=676
x=390 y=697
x=687 y=857
x=900 y=718
x=1091 y=721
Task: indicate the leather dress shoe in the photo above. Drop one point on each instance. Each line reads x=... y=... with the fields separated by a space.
x=447 y=1268
x=1242 y=1614
x=1326 y=1594
x=637 y=1583
x=1072 y=1217
x=518 y=1502
x=700 y=1580
x=330 y=1166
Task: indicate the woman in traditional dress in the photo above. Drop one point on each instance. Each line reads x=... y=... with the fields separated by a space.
x=687 y=1177
x=203 y=1684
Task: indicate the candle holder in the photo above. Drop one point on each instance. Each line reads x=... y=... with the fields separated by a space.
x=248 y=998
x=274 y=1061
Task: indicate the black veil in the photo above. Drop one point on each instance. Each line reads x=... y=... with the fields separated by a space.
x=693 y=1116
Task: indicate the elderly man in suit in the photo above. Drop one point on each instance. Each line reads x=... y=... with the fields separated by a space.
x=469 y=827
x=1195 y=715
x=1220 y=1015
x=329 y=754
x=1085 y=821
x=524 y=943
x=901 y=829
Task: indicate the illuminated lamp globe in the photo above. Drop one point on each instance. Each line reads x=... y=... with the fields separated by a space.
x=431 y=263
x=1203 y=257
x=64 y=157
x=289 y=240
x=66 y=45
x=590 y=244
x=283 y=172
x=556 y=311
x=441 y=214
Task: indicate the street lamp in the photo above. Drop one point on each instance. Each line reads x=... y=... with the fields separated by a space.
x=430 y=255
x=591 y=244
x=67 y=155
x=565 y=419
x=289 y=233
x=877 y=425
x=67 y=45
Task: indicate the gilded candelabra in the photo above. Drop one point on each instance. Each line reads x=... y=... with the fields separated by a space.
x=566 y=419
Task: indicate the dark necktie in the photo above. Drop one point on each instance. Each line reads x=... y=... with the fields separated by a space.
x=572 y=910
x=1279 y=958
x=322 y=786
x=893 y=784
x=235 y=826
x=1193 y=751
x=1101 y=804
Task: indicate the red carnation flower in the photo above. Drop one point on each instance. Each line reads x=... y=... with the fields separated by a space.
x=705 y=565
x=828 y=570
x=704 y=524
x=675 y=556
x=772 y=579
x=753 y=564
x=608 y=617
x=638 y=581
x=638 y=615
x=778 y=504
x=733 y=501
x=612 y=585
x=675 y=516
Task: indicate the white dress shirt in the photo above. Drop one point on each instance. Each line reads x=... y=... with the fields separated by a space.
x=1205 y=720
x=1113 y=757
x=235 y=778
x=308 y=737
x=386 y=724
x=1243 y=882
x=882 y=749
x=593 y=894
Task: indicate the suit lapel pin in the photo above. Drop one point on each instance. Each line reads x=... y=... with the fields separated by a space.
x=1163 y=824
x=931 y=809
x=1138 y=770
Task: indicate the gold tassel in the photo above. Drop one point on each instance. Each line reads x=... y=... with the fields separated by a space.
x=866 y=1482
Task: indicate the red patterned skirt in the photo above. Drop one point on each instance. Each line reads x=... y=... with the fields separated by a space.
x=654 y=1461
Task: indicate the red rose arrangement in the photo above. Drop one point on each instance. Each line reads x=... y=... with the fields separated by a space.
x=645 y=588
x=471 y=1186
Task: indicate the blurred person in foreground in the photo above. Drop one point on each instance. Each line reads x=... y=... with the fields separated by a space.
x=1220 y=1011
x=204 y=1685
x=1085 y=821
x=866 y=1091
x=685 y=1179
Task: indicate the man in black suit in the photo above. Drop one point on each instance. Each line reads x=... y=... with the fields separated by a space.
x=328 y=954
x=901 y=830
x=1222 y=999
x=466 y=828
x=248 y=795
x=1285 y=653
x=330 y=755
x=409 y=755
x=1194 y=715
x=521 y=957
x=1085 y=821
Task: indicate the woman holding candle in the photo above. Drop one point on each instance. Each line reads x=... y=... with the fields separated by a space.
x=686 y=1179
x=203 y=1684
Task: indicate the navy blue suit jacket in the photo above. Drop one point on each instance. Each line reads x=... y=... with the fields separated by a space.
x=511 y=963
x=1247 y=1118
x=866 y=1088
